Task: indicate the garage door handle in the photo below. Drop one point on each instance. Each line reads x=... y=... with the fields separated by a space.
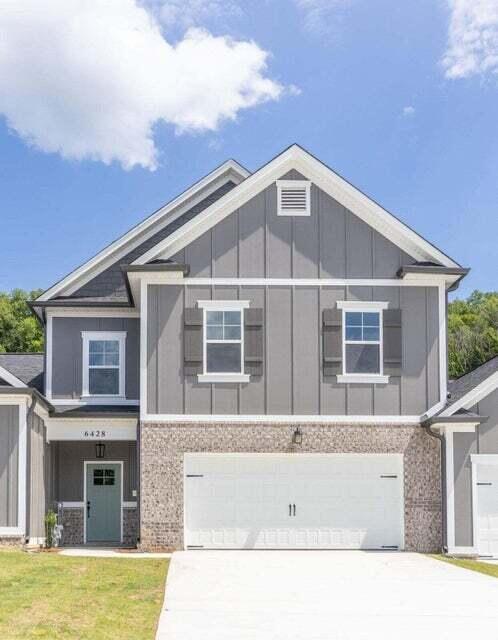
x=484 y=484
x=290 y=509
x=294 y=507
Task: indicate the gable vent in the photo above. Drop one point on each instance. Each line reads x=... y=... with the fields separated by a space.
x=294 y=197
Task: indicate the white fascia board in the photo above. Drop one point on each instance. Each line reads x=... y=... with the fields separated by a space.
x=323 y=177
x=474 y=396
x=280 y=419
x=230 y=170
x=83 y=430
x=90 y=312
x=11 y=378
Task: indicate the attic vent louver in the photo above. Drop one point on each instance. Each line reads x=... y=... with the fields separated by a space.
x=293 y=197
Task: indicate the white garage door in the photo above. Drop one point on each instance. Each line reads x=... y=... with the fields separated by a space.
x=487 y=509
x=301 y=501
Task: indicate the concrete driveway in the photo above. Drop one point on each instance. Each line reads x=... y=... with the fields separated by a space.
x=324 y=595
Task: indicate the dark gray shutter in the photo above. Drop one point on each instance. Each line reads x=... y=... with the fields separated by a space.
x=253 y=342
x=332 y=342
x=393 y=342
x=192 y=340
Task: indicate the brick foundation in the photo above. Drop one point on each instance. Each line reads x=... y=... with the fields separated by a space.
x=11 y=541
x=72 y=534
x=163 y=445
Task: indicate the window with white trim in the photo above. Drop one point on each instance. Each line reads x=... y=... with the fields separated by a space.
x=293 y=197
x=362 y=343
x=362 y=337
x=104 y=363
x=223 y=341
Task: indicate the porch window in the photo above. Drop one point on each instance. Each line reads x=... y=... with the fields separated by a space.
x=104 y=364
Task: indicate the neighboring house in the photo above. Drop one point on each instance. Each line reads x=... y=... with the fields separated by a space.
x=261 y=363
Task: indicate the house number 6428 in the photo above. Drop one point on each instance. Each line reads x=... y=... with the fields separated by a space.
x=95 y=434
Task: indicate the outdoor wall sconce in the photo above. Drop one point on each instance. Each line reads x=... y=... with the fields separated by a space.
x=297 y=437
x=100 y=450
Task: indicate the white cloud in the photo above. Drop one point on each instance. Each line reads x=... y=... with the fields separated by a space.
x=408 y=111
x=92 y=79
x=190 y=13
x=472 y=38
x=321 y=17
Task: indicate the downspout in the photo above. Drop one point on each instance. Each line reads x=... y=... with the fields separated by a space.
x=444 y=532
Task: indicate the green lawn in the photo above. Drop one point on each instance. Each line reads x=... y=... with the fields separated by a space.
x=473 y=565
x=45 y=595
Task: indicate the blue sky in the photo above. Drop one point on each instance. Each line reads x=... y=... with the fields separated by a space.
x=391 y=95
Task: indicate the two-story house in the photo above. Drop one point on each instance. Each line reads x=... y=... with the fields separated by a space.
x=259 y=364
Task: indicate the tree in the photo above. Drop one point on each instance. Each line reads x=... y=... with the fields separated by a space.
x=472 y=332
x=20 y=331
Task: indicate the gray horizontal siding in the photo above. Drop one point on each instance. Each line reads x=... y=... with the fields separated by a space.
x=9 y=459
x=67 y=363
x=255 y=242
x=484 y=441
x=69 y=458
x=292 y=381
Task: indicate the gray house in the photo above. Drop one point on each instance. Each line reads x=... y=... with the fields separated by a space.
x=259 y=364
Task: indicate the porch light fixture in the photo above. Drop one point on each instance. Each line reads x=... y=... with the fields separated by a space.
x=100 y=450
x=297 y=437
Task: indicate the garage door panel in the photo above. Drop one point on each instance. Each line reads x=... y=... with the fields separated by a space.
x=487 y=509
x=335 y=501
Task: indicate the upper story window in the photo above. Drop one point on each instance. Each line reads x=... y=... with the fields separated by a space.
x=104 y=363
x=362 y=339
x=294 y=197
x=223 y=341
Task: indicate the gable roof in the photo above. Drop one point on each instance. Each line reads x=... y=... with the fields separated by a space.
x=469 y=389
x=23 y=369
x=295 y=157
x=229 y=172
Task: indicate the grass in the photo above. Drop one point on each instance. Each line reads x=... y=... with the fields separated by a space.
x=46 y=595
x=473 y=565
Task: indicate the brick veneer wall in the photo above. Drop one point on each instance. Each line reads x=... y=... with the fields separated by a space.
x=11 y=541
x=73 y=533
x=161 y=463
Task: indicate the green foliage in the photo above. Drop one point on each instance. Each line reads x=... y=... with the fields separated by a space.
x=472 y=332
x=50 y=522
x=19 y=329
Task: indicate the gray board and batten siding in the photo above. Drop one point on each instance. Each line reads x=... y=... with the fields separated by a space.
x=67 y=353
x=40 y=477
x=292 y=380
x=484 y=441
x=68 y=463
x=255 y=242
x=9 y=461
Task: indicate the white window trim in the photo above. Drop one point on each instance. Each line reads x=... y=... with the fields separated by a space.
x=120 y=337
x=282 y=184
x=223 y=305
x=362 y=378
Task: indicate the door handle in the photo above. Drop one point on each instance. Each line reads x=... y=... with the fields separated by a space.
x=290 y=509
x=294 y=508
x=88 y=508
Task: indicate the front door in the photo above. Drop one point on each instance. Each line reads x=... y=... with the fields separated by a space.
x=103 y=502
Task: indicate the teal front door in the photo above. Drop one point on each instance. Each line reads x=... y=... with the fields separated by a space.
x=103 y=502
